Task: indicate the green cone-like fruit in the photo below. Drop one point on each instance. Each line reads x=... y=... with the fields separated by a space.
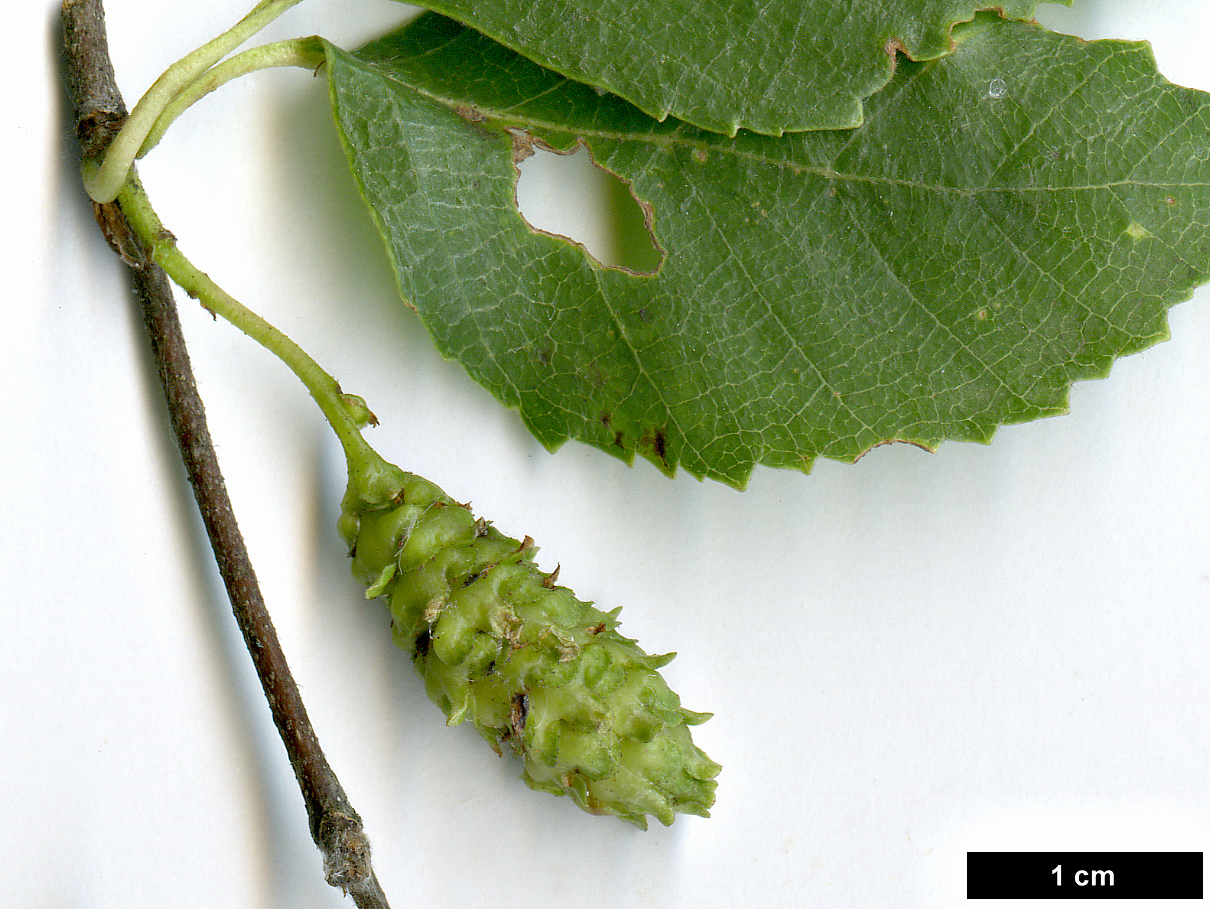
x=500 y=644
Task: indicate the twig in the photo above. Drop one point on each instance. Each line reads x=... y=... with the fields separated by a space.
x=335 y=826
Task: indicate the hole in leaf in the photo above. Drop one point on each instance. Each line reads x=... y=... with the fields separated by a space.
x=568 y=195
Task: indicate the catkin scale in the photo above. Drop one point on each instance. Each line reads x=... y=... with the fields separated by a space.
x=534 y=669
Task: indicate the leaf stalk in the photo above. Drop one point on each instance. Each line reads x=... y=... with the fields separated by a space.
x=306 y=53
x=104 y=183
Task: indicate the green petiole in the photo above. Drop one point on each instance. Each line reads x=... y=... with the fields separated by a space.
x=104 y=183
x=306 y=53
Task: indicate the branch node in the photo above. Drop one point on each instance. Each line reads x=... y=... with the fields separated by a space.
x=346 y=850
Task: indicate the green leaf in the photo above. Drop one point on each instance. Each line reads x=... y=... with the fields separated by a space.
x=771 y=66
x=1011 y=218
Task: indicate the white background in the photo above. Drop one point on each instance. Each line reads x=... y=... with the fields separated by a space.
x=1000 y=647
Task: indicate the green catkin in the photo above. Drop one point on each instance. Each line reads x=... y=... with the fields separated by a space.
x=534 y=669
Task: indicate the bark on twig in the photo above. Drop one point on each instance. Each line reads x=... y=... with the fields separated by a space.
x=336 y=828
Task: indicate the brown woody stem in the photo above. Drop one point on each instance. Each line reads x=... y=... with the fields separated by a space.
x=336 y=828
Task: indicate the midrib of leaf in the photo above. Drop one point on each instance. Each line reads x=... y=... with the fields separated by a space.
x=689 y=137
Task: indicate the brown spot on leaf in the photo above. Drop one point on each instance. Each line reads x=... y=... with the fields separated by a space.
x=469 y=114
x=911 y=442
x=523 y=146
x=594 y=374
x=657 y=442
x=894 y=47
